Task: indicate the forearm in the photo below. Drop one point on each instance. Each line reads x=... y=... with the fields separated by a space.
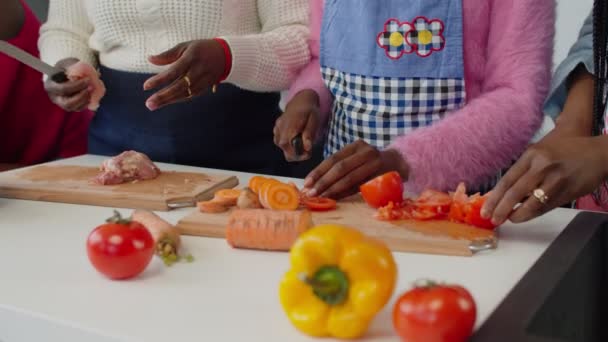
x=577 y=115
x=12 y=17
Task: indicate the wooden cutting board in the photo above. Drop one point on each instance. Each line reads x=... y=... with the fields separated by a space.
x=72 y=184
x=432 y=237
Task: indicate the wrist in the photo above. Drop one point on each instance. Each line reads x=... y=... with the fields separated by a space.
x=227 y=59
x=304 y=98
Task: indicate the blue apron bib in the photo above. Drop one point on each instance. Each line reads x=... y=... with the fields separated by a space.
x=392 y=66
x=231 y=129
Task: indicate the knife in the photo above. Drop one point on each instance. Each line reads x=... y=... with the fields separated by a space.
x=298 y=145
x=56 y=74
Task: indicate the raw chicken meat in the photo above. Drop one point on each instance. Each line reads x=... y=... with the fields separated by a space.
x=81 y=70
x=126 y=167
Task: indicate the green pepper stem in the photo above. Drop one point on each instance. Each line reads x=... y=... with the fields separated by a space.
x=329 y=283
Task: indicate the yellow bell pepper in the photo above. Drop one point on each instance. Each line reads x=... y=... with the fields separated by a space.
x=338 y=281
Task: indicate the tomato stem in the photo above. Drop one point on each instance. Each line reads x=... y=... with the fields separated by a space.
x=118 y=219
x=425 y=283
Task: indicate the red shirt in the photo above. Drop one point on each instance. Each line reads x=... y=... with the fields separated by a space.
x=32 y=128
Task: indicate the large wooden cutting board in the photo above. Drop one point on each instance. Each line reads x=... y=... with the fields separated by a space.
x=72 y=184
x=433 y=237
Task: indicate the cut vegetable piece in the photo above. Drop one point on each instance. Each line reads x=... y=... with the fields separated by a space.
x=166 y=237
x=227 y=197
x=263 y=191
x=319 y=203
x=256 y=182
x=211 y=207
x=266 y=229
x=280 y=196
x=473 y=214
x=248 y=200
x=382 y=190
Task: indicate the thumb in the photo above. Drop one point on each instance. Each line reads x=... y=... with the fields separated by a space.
x=169 y=56
x=310 y=131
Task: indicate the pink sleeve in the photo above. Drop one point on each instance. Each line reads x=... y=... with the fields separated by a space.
x=310 y=76
x=486 y=135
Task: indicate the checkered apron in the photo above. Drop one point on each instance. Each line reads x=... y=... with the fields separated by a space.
x=392 y=65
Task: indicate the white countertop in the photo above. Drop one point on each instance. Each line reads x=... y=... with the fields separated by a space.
x=49 y=291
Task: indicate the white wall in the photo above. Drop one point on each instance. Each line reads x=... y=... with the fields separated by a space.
x=570 y=17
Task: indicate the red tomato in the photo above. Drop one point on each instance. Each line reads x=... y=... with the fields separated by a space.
x=473 y=214
x=424 y=214
x=382 y=190
x=319 y=203
x=435 y=201
x=435 y=313
x=465 y=209
x=121 y=248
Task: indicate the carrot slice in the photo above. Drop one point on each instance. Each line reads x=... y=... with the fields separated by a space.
x=256 y=182
x=227 y=197
x=211 y=207
x=264 y=189
x=266 y=229
x=280 y=196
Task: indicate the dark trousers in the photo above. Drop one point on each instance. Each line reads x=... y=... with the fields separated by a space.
x=231 y=129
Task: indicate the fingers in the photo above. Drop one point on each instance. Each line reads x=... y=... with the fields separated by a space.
x=173 y=73
x=309 y=132
x=533 y=207
x=340 y=166
x=348 y=183
x=505 y=183
x=178 y=91
x=287 y=127
x=74 y=103
x=316 y=174
x=66 y=89
x=169 y=56
x=175 y=91
x=516 y=194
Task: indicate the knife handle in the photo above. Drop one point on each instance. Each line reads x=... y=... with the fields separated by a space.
x=59 y=77
x=298 y=145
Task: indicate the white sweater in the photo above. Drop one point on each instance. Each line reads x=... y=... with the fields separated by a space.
x=268 y=38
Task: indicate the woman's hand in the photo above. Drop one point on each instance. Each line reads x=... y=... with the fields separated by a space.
x=301 y=117
x=341 y=174
x=195 y=67
x=564 y=167
x=72 y=96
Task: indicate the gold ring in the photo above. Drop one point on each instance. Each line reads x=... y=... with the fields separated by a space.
x=188 y=84
x=540 y=195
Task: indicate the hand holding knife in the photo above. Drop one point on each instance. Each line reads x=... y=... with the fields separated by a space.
x=56 y=74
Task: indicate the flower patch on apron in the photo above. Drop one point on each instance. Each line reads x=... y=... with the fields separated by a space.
x=423 y=36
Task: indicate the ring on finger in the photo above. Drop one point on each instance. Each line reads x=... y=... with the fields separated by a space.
x=188 y=85
x=540 y=195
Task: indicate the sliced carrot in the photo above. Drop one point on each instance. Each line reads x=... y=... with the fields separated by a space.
x=264 y=189
x=280 y=196
x=256 y=182
x=266 y=229
x=211 y=207
x=227 y=197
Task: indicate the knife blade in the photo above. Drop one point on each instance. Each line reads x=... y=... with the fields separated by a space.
x=56 y=74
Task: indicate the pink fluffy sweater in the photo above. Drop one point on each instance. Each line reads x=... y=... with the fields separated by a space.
x=508 y=46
